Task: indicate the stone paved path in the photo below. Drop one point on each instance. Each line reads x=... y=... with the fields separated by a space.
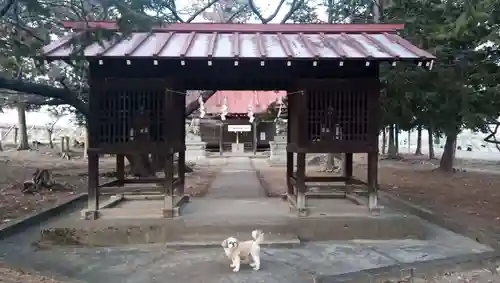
x=157 y=264
x=237 y=180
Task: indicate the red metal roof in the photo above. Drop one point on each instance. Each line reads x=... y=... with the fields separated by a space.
x=247 y=41
x=239 y=101
x=248 y=28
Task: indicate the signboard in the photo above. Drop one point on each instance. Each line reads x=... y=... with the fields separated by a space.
x=262 y=136
x=239 y=128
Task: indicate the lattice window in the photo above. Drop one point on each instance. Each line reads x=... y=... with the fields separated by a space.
x=337 y=115
x=131 y=114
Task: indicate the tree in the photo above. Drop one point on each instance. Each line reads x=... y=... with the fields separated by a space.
x=459 y=92
x=55 y=113
x=19 y=69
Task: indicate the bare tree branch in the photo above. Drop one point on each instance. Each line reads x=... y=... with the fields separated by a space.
x=293 y=8
x=230 y=20
x=45 y=91
x=35 y=101
x=254 y=9
x=209 y=4
x=491 y=138
x=7 y=7
x=173 y=9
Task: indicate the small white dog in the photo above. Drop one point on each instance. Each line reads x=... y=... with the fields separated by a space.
x=244 y=252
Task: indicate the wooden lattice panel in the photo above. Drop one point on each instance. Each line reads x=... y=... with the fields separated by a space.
x=139 y=112
x=337 y=115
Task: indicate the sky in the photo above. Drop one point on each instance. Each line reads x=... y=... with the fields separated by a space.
x=40 y=118
x=267 y=7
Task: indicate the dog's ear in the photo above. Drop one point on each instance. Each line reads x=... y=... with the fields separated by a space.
x=224 y=244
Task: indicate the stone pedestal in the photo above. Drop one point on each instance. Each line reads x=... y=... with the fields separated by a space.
x=237 y=148
x=195 y=148
x=278 y=151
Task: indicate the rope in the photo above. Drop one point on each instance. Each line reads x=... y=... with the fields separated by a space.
x=185 y=93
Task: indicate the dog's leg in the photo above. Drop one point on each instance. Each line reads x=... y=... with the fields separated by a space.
x=236 y=262
x=256 y=262
x=252 y=263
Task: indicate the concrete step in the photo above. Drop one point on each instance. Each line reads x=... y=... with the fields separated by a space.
x=202 y=232
x=215 y=240
x=236 y=226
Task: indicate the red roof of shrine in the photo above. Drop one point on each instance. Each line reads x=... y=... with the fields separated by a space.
x=239 y=101
x=247 y=41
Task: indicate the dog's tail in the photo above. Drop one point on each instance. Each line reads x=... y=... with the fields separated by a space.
x=258 y=236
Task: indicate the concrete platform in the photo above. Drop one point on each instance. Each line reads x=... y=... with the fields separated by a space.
x=204 y=220
x=354 y=261
x=312 y=262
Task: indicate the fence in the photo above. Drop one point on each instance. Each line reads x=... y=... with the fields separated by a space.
x=40 y=133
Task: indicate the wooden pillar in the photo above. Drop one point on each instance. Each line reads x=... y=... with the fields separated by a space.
x=93 y=186
x=373 y=204
x=63 y=145
x=168 y=206
x=289 y=166
x=254 y=130
x=301 y=184
x=181 y=172
x=221 y=138
x=348 y=163
x=181 y=161
x=120 y=168
x=289 y=174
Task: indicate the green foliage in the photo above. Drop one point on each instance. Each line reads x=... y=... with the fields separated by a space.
x=461 y=90
x=305 y=14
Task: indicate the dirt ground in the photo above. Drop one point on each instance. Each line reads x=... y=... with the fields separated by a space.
x=470 y=197
x=18 y=166
x=8 y=275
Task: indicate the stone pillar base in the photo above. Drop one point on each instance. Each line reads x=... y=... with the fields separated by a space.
x=86 y=214
x=237 y=148
x=171 y=213
x=278 y=152
x=195 y=150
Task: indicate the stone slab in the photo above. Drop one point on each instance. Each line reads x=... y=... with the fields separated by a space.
x=345 y=261
x=20 y=224
x=442 y=221
x=238 y=179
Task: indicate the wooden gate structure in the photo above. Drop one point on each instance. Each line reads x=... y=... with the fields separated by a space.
x=331 y=73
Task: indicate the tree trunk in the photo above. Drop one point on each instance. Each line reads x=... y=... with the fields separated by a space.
x=330 y=162
x=384 y=140
x=432 y=155
x=446 y=163
x=391 y=150
x=419 y=141
x=85 y=142
x=396 y=139
x=16 y=135
x=146 y=166
x=49 y=135
x=23 y=129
